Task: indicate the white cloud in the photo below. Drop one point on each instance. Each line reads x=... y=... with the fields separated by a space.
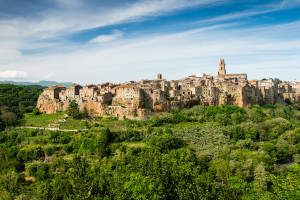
x=72 y=16
x=12 y=74
x=49 y=75
x=175 y=55
x=107 y=38
x=249 y=50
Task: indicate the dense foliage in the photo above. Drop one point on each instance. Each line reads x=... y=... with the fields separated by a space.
x=222 y=152
x=15 y=100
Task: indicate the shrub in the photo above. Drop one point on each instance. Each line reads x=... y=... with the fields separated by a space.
x=65 y=139
x=40 y=171
x=30 y=152
x=32 y=132
x=36 y=111
x=221 y=119
x=49 y=150
x=68 y=148
x=164 y=142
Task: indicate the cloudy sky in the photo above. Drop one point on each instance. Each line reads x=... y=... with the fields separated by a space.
x=94 y=41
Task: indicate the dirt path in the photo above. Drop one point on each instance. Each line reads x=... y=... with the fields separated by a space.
x=288 y=164
x=53 y=129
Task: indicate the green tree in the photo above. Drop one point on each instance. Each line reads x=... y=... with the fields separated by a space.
x=142 y=187
x=79 y=178
x=255 y=115
x=288 y=101
x=237 y=118
x=9 y=118
x=260 y=177
x=221 y=119
x=286 y=185
x=73 y=109
x=277 y=80
x=85 y=113
x=102 y=142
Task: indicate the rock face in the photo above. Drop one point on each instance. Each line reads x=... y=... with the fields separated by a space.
x=50 y=106
x=58 y=98
x=98 y=108
x=143 y=103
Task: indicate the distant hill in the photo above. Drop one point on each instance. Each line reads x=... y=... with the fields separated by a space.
x=42 y=83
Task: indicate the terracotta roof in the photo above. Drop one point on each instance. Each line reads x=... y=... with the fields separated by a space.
x=54 y=87
x=90 y=85
x=50 y=88
x=120 y=86
x=74 y=85
x=235 y=74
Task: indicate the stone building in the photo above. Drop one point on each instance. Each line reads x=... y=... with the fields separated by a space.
x=137 y=99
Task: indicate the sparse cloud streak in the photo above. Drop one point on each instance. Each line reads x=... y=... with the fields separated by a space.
x=107 y=38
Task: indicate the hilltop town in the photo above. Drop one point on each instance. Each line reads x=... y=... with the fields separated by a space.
x=143 y=98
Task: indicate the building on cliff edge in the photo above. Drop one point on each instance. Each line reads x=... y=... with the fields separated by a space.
x=142 y=98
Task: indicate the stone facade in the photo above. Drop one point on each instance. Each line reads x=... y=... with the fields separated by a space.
x=138 y=99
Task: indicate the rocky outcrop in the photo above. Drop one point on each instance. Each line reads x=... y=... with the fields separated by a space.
x=96 y=107
x=50 y=106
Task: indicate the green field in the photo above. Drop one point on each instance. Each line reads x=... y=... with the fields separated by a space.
x=42 y=120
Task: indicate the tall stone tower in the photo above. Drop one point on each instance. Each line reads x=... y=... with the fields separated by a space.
x=222 y=70
x=159 y=76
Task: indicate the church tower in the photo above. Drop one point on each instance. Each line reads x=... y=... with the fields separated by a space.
x=159 y=76
x=222 y=70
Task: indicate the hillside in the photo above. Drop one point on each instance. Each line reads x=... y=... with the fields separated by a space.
x=223 y=152
x=41 y=83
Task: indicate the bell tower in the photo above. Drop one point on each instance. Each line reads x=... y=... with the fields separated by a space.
x=159 y=76
x=222 y=70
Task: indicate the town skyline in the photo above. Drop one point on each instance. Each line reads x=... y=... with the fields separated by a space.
x=137 y=79
x=146 y=97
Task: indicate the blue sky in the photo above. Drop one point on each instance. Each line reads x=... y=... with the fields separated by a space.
x=94 y=41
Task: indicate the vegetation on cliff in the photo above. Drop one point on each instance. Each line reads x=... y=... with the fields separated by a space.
x=15 y=100
x=222 y=152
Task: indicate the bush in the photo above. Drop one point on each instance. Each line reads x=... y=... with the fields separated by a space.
x=65 y=139
x=164 y=142
x=288 y=101
x=49 y=150
x=30 y=152
x=40 y=171
x=68 y=148
x=221 y=119
x=36 y=111
x=29 y=109
x=237 y=118
x=32 y=132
